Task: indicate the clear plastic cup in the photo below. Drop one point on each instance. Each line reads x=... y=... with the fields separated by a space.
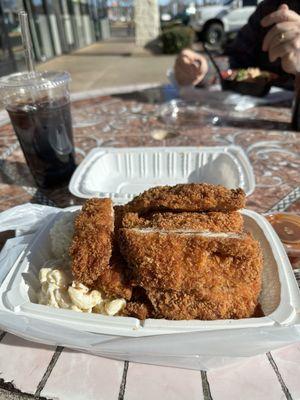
x=39 y=108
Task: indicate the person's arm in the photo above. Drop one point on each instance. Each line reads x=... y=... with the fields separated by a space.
x=210 y=77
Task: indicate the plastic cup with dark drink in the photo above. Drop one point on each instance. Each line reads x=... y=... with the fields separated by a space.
x=38 y=104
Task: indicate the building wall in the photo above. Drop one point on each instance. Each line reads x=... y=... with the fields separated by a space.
x=146 y=19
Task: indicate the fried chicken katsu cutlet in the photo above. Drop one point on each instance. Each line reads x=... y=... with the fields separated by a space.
x=94 y=263
x=189 y=261
x=186 y=248
x=114 y=280
x=202 y=268
x=188 y=197
x=176 y=252
x=91 y=248
x=235 y=303
x=211 y=221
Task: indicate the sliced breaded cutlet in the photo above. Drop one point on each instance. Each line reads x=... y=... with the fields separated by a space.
x=139 y=306
x=221 y=271
x=95 y=261
x=236 y=302
x=174 y=252
x=114 y=281
x=202 y=222
x=190 y=261
x=188 y=197
x=91 y=246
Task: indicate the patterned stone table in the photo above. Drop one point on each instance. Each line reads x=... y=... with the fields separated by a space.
x=136 y=116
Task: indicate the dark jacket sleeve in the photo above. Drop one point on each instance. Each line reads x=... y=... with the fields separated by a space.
x=246 y=48
x=246 y=51
x=212 y=77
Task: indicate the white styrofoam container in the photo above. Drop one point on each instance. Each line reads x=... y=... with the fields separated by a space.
x=122 y=173
x=280 y=297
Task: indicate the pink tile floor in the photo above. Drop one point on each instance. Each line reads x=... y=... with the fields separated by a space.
x=79 y=376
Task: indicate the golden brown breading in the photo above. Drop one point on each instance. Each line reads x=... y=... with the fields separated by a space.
x=138 y=310
x=91 y=246
x=190 y=262
x=184 y=254
x=189 y=276
x=140 y=306
x=119 y=212
x=211 y=221
x=93 y=263
x=114 y=280
x=219 y=303
x=188 y=197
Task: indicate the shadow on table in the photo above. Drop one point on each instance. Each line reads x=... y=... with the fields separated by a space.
x=160 y=95
x=56 y=197
x=155 y=95
x=193 y=119
x=16 y=173
x=250 y=123
x=280 y=104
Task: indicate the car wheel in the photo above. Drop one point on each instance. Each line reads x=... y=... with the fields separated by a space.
x=214 y=35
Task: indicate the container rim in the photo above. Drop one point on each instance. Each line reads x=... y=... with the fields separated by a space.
x=35 y=81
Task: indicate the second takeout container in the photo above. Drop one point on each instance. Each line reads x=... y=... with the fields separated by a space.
x=259 y=87
x=122 y=173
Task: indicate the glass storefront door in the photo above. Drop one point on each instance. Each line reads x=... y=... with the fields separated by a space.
x=88 y=27
x=10 y=38
x=56 y=26
x=66 y=25
x=50 y=9
x=39 y=23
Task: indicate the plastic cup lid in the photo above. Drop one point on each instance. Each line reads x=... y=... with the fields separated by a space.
x=34 y=81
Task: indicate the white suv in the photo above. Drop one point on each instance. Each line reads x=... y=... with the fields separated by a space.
x=212 y=22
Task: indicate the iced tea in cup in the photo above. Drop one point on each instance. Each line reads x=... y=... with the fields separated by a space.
x=38 y=104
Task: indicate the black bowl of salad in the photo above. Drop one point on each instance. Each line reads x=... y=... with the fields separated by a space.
x=250 y=81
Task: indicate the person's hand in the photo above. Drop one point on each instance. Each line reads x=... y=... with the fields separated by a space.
x=283 y=39
x=190 y=68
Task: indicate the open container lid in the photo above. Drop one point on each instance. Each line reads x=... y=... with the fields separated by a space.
x=122 y=173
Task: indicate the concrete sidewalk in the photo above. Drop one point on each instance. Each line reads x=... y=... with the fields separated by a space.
x=114 y=62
